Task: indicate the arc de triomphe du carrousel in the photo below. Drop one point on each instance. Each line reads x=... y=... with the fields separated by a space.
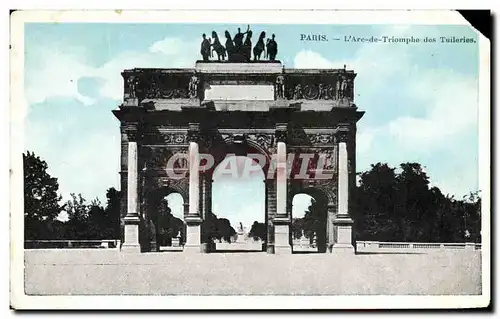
x=298 y=125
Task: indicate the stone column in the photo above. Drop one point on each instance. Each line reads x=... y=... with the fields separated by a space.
x=343 y=222
x=193 y=219
x=282 y=220
x=330 y=231
x=270 y=214
x=132 y=219
x=206 y=207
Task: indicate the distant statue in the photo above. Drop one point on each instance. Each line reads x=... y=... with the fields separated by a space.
x=272 y=48
x=241 y=228
x=280 y=86
x=218 y=47
x=246 y=49
x=193 y=86
x=205 y=48
x=259 y=47
x=238 y=39
x=230 y=49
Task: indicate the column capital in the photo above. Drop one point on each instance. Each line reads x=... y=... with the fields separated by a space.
x=132 y=131
x=281 y=132
x=342 y=134
x=194 y=132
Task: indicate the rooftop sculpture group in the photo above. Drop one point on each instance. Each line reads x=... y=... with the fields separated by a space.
x=236 y=49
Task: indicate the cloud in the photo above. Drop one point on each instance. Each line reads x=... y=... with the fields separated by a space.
x=411 y=111
x=56 y=73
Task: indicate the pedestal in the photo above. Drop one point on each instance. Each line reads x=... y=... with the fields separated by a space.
x=131 y=234
x=193 y=236
x=282 y=236
x=343 y=242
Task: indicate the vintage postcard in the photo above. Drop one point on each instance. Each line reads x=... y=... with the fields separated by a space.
x=287 y=160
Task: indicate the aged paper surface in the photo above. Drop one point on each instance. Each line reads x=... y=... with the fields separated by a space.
x=287 y=160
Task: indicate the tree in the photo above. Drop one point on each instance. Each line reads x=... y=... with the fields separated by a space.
x=258 y=231
x=169 y=226
x=41 y=198
x=224 y=229
x=392 y=206
x=314 y=218
x=297 y=227
x=78 y=217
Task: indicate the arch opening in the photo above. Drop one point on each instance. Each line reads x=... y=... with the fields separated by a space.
x=308 y=229
x=238 y=205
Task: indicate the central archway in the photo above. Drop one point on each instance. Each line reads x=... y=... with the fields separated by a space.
x=238 y=204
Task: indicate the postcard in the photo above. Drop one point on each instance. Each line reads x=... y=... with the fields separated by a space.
x=249 y=160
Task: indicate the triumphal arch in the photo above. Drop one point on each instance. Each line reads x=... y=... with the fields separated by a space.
x=302 y=122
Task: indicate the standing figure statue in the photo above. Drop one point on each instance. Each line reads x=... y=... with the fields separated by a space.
x=205 y=48
x=297 y=94
x=218 y=47
x=193 y=86
x=131 y=83
x=229 y=45
x=342 y=85
x=238 y=39
x=247 y=47
x=259 y=47
x=280 y=86
x=321 y=92
x=272 y=48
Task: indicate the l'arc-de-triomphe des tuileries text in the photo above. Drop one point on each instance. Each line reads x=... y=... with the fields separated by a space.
x=242 y=108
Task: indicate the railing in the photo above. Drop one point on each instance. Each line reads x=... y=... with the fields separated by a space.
x=69 y=243
x=374 y=246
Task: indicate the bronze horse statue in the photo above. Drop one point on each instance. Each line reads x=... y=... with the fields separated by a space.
x=218 y=47
x=229 y=45
x=246 y=49
x=259 y=47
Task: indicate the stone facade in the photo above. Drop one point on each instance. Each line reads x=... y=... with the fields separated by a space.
x=167 y=112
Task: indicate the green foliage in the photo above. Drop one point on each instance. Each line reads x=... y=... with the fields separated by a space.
x=169 y=226
x=214 y=228
x=41 y=208
x=392 y=206
x=258 y=231
x=41 y=200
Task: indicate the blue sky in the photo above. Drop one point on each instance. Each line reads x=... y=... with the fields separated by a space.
x=420 y=99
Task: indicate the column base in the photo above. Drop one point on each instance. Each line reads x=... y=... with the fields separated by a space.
x=193 y=235
x=270 y=248
x=283 y=250
x=193 y=249
x=131 y=248
x=153 y=246
x=343 y=249
x=131 y=235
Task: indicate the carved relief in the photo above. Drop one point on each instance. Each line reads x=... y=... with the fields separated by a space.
x=330 y=159
x=175 y=138
x=156 y=158
x=321 y=138
x=161 y=86
x=263 y=140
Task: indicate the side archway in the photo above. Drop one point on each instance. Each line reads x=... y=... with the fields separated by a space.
x=309 y=212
